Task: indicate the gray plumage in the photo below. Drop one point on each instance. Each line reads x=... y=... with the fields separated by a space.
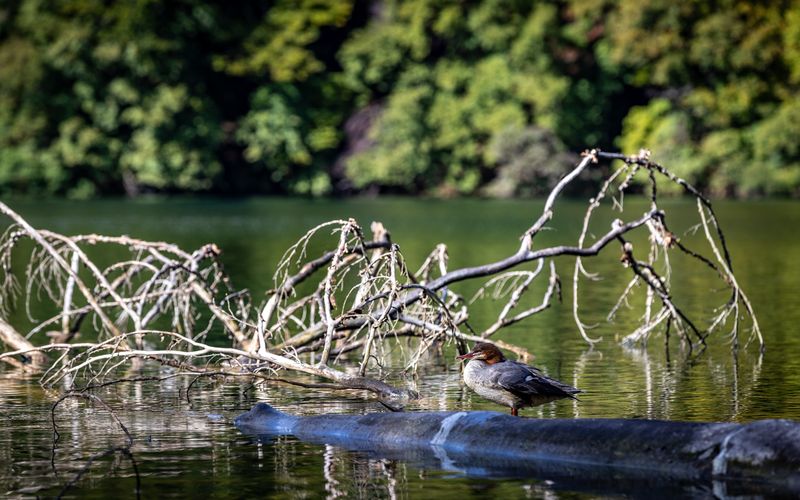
x=510 y=383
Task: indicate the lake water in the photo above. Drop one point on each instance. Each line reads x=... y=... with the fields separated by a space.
x=180 y=451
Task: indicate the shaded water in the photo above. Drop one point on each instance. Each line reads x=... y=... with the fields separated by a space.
x=180 y=451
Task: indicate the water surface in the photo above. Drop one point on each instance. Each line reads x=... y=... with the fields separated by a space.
x=180 y=451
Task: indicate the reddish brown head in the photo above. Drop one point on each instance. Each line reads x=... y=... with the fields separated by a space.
x=485 y=351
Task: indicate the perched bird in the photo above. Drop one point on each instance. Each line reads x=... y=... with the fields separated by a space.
x=510 y=383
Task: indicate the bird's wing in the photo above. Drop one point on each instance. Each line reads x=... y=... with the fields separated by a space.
x=525 y=380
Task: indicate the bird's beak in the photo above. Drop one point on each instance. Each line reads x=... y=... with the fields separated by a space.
x=468 y=355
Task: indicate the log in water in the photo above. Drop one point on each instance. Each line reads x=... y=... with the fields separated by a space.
x=762 y=456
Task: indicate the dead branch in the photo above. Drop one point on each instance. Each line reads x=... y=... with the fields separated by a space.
x=125 y=449
x=31 y=359
x=359 y=301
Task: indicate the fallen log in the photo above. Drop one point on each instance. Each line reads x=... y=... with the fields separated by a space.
x=762 y=456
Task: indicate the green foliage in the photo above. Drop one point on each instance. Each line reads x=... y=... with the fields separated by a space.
x=93 y=93
x=451 y=79
x=279 y=44
x=725 y=70
x=776 y=152
x=530 y=162
x=402 y=147
x=287 y=140
x=102 y=97
x=477 y=96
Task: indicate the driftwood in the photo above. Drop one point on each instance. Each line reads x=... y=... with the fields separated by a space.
x=759 y=458
x=353 y=301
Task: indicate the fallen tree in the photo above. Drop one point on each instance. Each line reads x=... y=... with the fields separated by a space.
x=353 y=301
x=760 y=457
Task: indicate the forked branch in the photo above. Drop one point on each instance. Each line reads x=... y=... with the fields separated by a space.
x=358 y=297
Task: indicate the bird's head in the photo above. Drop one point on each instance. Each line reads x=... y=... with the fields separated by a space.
x=486 y=352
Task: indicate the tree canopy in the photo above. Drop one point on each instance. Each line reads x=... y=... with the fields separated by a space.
x=439 y=97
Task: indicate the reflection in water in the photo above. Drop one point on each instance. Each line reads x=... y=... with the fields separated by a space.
x=578 y=370
x=743 y=397
x=661 y=384
x=181 y=452
x=195 y=452
x=640 y=355
x=180 y=445
x=331 y=484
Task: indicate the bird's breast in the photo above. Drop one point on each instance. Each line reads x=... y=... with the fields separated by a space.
x=472 y=373
x=478 y=377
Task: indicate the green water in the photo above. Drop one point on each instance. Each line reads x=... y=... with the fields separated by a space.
x=180 y=451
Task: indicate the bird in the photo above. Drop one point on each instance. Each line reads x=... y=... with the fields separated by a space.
x=510 y=383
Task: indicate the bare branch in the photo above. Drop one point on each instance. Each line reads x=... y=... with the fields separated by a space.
x=357 y=310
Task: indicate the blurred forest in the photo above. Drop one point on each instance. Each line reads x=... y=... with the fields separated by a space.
x=445 y=98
